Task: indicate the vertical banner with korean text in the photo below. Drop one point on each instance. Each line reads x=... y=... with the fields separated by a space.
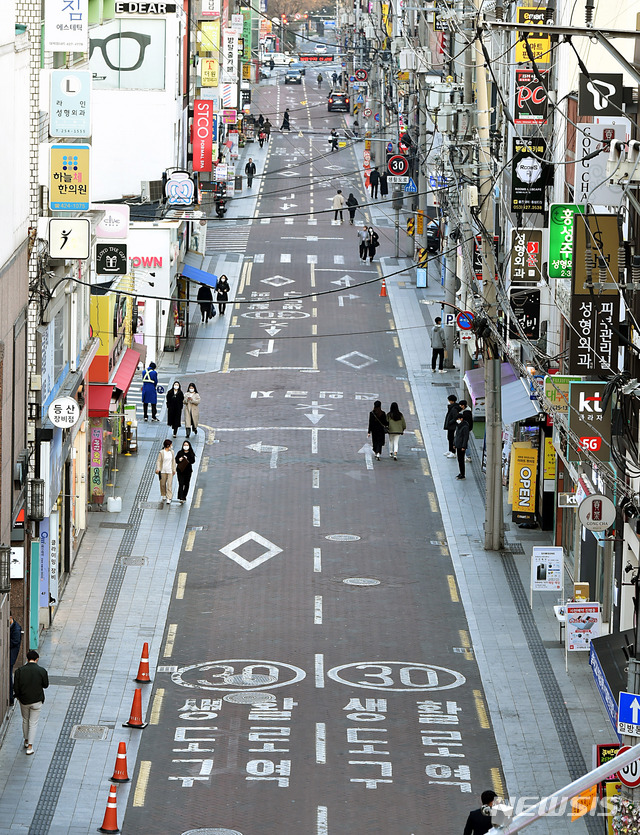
x=202 y=134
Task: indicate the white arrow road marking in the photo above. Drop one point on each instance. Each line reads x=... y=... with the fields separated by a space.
x=272 y=330
x=345 y=281
x=274 y=450
x=367 y=449
x=348 y=296
x=268 y=350
x=314 y=416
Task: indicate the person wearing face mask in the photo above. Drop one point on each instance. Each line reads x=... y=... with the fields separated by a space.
x=222 y=293
x=165 y=470
x=185 y=459
x=191 y=409
x=175 y=402
x=461 y=442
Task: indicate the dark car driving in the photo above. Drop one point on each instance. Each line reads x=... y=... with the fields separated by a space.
x=292 y=76
x=338 y=101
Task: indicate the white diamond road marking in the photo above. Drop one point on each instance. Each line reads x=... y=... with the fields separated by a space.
x=230 y=550
x=277 y=280
x=288 y=174
x=357 y=365
x=285 y=257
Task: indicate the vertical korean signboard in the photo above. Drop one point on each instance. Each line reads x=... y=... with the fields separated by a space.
x=589 y=422
x=202 y=134
x=69 y=178
x=70 y=113
x=66 y=25
x=529 y=173
x=526 y=256
x=561 y=238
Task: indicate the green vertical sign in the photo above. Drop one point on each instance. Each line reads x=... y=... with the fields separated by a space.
x=246 y=33
x=34 y=595
x=561 y=238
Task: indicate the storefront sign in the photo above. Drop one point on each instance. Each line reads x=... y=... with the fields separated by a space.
x=202 y=135
x=526 y=256
x=583 y=625
x=209 y=72
x=70 y=113
x=531 y=97
x=210 y=8
x=66 y=25
x=209 y=32
x=111 y=259
x=529 y=173
x=589 y=422
x=16 y=563
x=96 y=461
x=229 y=96
x=593 y=347
x=180 y=188
x=539 y=43
x=601 y=233
x=246 y=33
x=525 y=311
x=524 y=466
x=556 y=390
x=591 y=178
x=54 y=555
x=145 y=8
x=561 y=238
x=568 y=500
x=547 y=569
x=44 y=563
x=69 y=178
x=600 y=94
x=229 y=117
x=64 y=412
x=597 y=512
x=549 y=473
x=69 y=238
x=115 y=223
x=230 y=56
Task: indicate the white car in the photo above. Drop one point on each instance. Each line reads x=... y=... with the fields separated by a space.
x=280 y=59
x=321 y=48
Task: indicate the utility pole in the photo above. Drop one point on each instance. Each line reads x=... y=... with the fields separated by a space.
x=493 y=527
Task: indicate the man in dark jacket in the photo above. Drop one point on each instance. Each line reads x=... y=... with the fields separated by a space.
x=250 y=171
x=205 y=300
x=29 y=684
x=15 y=639
x=374 y=181
x=450 y=423
x=461 y=442
x=479 y=821
x=465 y=411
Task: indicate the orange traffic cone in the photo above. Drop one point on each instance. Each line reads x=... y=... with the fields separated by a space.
x=120 y=774
x=110 y=822
x=383 y=290
x=143 y=669
x=135 y=719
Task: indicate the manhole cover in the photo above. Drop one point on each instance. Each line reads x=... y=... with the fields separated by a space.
x=212 y=831
x=134 y=560
x=250 y=681
x=361 y=581
x=343 y=537
x=249 y=698
x=89 y=732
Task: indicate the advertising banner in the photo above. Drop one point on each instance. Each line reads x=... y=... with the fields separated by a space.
x=583 y=624
x=539 y=44
x=202 y=138
x=531 y=97
x=589 y=421
x=546 y=569
x=524 y=467
x=246 y=33
x=209 y=36
x=529 y=174
x=66 y=25
x=561 y=238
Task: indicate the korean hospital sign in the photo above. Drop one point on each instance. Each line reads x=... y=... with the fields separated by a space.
x=69 y=178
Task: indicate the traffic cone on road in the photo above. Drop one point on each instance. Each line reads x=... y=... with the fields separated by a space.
x=383 y=290
x=120 y=774
x=110 y=822
x=143 y=669
x=135 y=719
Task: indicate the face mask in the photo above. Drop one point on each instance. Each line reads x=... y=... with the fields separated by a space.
x=176 y=387
x=191 y=389
x=185 y=448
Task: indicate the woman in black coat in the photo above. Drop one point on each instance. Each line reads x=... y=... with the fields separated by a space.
x=175 y=402
x=205 y=300
x=352 y=205
x=377 y=427
x=374 y=242
x=222 y=293
x=185 y=459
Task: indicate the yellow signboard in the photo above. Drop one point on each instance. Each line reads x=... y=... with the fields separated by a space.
x=524 y=469
x=209 y=72
x=69 y=178
x=539 y=45
x=584 y=803
x=420 y=222
x=209 y=36
x=549 y=460
x=246 y=71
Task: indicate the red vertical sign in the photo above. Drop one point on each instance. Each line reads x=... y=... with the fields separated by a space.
x=202 y=134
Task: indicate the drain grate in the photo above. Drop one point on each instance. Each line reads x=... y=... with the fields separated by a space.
x=134 y=561
x=514 y=547
x=116 y=526
x=89 y=732
x=361 y=581
x=249 y=698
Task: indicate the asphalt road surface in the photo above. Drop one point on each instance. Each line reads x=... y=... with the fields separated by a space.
x=316 y=675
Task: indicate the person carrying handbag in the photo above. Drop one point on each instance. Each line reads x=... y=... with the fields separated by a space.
x=378 y=428
x=374 y=243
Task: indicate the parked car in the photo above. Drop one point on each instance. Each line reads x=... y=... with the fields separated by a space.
x=280 y=59
x=292 y=76
x=338 y=101
x=433 y=235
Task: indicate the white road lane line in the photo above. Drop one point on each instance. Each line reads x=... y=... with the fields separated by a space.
x=316 y=479
x=314 y=441
x=321 y=742
x=317 y=560
x=319 y=670
x=316 y=516
x=323 y=821
x=317 y=610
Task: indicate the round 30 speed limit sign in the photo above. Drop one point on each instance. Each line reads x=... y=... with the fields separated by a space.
x=630 y=774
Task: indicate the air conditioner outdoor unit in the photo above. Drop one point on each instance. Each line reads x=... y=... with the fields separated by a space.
x=151 y=191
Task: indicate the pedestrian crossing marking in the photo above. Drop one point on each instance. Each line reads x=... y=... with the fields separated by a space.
x=182 y=582
x=258 y=258
x=143 y=781
x=226 y=238
x=156 y=707
x=453 y=589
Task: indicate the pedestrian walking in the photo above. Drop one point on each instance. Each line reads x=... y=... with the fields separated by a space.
x=450 y=423
x=175 y=402
x=286 y=124
x=185 y=459
x=334 y=78
x=261 y=137
x=384 y=184
x=333 y=140
x=267 y=129
x=397 y=425
x=320 y=80
x=15 y=639
x=250 y=171
x=29 y=684
x=374 y=181
x=205 y=300
x=374 y=243
x=339 y=79
x=378 y=428
x=166 y=469
x=150 y=392
x=352 y=205
x=191 y=409
x=363 y=242
x=467 y=415
x=461 y=442
x=272 y=64
x=356 y=128
x=479 y=821
x=338 y=205
x=438 y=345
x=260 y=121
x=222 y=293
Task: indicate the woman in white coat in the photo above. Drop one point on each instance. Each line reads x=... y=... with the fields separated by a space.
x=191 y=409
